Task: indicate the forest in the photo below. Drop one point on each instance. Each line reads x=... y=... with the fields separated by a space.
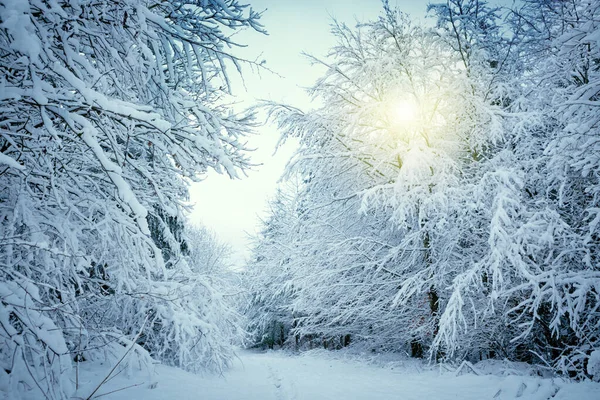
x=443 y=203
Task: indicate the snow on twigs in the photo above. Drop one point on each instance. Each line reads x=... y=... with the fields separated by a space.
x=109 y=109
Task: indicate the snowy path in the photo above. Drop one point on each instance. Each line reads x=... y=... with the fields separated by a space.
x=277 y=376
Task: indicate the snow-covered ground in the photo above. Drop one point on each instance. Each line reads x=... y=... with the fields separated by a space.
x=322 y=375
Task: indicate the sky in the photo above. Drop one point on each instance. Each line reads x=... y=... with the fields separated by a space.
x=233 y=208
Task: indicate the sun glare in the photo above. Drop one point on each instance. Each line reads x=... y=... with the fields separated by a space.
x=403 y=112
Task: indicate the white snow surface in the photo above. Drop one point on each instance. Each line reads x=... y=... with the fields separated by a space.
x=325 y=375
x=593 y=367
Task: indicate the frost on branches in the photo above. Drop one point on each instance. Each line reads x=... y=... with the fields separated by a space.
x=448 y=190
x=108 y=108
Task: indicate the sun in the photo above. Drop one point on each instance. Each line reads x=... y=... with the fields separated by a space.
x=403 y=112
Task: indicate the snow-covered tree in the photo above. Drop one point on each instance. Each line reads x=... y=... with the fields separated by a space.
x=268 y=274
x=559 y=311
x=107 y=108
x=450 y=186
x=207 y=253
x=204 y=325
x=383 y=162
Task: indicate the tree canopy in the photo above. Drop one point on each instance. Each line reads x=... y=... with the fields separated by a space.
x=447 y=190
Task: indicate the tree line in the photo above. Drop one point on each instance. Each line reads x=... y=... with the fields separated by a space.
x=444 y=200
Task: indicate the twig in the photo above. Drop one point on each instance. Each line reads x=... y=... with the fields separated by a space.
x=120 y=360
x=118 y=390
x=467 y=364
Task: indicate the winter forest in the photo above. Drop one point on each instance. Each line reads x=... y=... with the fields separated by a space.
x=442 y=207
